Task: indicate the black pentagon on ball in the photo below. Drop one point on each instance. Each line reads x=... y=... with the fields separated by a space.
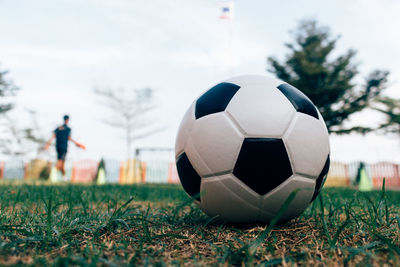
x=299 y=100
x=321 y=178
x=190 y=180
x=262 y=164
x=215 y=99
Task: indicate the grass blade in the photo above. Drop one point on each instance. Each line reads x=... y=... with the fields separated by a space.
x=261 y=237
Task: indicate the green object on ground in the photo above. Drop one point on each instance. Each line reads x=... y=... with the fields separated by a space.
x=365 y=182
x=53 y=175
x=101 y=176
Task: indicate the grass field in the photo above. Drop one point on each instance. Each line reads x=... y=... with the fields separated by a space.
x=158 y=225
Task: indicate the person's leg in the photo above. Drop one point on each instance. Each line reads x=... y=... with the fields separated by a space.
x=59 y=164
x=61 y=153
x=62 y=167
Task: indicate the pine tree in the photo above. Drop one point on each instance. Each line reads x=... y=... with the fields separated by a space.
x=7 y=88
x=390 y=107
x=327 y=81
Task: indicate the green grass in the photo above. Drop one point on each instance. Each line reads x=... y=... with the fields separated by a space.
x=158 y=225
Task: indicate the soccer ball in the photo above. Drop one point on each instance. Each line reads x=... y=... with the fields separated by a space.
x=246 y=144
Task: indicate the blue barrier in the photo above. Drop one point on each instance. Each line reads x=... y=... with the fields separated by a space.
x=112 y=168
x=156 y=172
x=14 y=170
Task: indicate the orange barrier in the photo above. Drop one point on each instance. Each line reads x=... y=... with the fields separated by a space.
x=144 y=171
x=386 y=170
x=338 y=175
x=130 y=172
x=1 y=169
x=173 y=177
x=84 y=171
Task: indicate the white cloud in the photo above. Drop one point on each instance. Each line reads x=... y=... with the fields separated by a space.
x=222 y=56
x=30 y=56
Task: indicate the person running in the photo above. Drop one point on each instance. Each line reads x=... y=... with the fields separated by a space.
x=62 y=134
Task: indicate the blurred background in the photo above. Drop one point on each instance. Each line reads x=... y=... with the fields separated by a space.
x=126 y=71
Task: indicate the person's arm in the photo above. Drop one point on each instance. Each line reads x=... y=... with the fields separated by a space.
x=46 y=147
x=76 y=143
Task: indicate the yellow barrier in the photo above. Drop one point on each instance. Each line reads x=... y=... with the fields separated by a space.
x=338 y=175
x=130 y=172
x=35 y=167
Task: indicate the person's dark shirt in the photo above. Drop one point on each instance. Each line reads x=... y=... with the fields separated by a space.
x=62 y=134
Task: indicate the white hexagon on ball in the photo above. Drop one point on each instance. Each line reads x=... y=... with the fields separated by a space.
x=213 y=144
x=184 y=130
x=307 y=143
x=259 y=109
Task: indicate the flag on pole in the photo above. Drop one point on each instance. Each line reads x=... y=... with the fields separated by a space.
x=227 y=10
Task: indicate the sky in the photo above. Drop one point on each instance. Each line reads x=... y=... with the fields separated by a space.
x=58 y=51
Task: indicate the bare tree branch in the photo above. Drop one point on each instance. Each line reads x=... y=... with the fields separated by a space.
x=129 y=112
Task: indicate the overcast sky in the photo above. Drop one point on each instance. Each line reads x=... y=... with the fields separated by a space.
x=57 y=51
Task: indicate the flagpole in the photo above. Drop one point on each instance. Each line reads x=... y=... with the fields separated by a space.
x=230 y=44
x=227 y=14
